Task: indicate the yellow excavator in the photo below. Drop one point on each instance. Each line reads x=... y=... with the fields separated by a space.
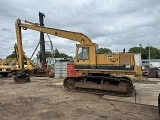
x=102 y=73
x=6 y=67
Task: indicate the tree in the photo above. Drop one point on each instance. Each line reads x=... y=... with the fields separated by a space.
x=57 y=54
x=139 y=50
x=136 y=49
x=48 y=54
x=13 y=55
x=154 y=52
x=104 y=50
x=61 y=55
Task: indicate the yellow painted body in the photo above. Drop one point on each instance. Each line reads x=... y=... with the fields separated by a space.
x=104 y=60
x=6 y=65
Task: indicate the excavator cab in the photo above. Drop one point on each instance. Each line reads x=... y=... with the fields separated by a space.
x=85 y=56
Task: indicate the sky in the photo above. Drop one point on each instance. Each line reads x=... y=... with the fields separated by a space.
x=112 y=24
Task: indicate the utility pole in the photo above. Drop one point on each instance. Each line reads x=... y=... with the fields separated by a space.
x=140 y=45
x=149 y=56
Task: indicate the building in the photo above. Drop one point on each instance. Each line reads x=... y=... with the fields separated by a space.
x=153 y=63
x=51 y=61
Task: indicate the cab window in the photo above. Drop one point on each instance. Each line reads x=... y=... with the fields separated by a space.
x=83 y=53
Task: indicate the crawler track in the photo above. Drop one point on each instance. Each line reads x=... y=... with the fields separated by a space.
x=118 y=86
x=98 y=92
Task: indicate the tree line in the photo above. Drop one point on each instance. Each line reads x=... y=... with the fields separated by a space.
x=56 y=54
x=154 y=52
x=145 y=51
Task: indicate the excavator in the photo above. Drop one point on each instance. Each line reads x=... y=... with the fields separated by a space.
x=5 y=67
x=102 y=73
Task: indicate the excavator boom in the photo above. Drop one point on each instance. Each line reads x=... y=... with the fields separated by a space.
x=75 y=36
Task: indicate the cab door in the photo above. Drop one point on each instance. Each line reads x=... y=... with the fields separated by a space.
x=82 y=61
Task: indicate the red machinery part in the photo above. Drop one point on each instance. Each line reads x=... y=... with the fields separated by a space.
x=71 y=72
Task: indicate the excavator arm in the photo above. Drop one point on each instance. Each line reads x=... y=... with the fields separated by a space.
x=75 y=36
x=29 y=62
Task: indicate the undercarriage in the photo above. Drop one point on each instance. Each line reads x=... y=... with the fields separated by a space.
x=117 y=85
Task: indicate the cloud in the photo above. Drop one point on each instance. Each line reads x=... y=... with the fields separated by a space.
x=115 y=24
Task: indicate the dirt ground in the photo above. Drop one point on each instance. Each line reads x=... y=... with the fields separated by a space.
x=45 y=99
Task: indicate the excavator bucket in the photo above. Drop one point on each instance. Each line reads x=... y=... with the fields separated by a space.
x=21 y=78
